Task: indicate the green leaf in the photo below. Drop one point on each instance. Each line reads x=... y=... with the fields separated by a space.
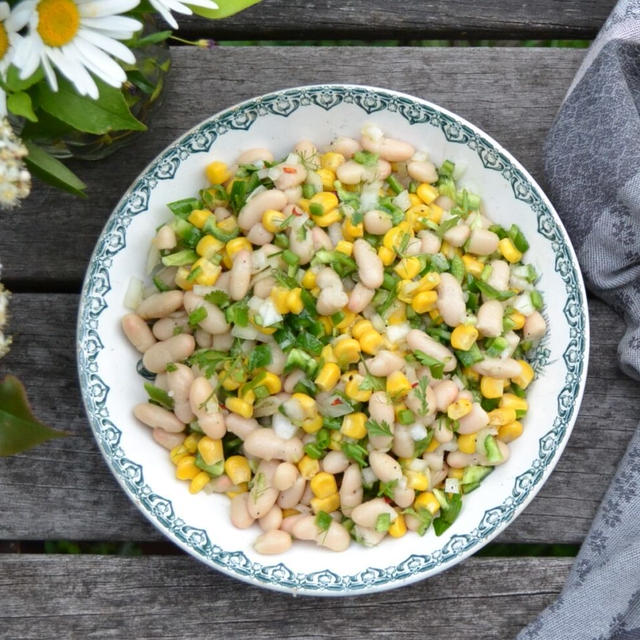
x=19 y=428
x=108 y=113
x=152 y=38
x=51 y=170
x=14 y=83
x=225 y=8
x=20 y=105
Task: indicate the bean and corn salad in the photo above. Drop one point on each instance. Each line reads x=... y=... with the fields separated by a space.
x=339 y=341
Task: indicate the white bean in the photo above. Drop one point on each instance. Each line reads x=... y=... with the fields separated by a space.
x=335 y=462
x=255 y=155
x=204 y=339
x=159 y=305
x=422 y=171
x=222 y=341
x=300 y=239
x=442 y=433
x=377 y=222
x=446 y=391
x=475 y=420
x=351 y=489
x=385 y=466
x=285 y=476
x=384 y=363
x=451 y=304
x=154 y=416
x=430 y=243
x=262 y=288
x=346 y=146
x=214 y=322
x=222 y=283
x=278 y=360
x=350 y=172
x=458 y=460
x=414 y=247
x=321 y=239
x=331 y=300
x=370 y=267
x=483 y=242
x=293 y=194
x=445 y=202
x=167 y=439
x=490 y=319
x=175 y=349
x=164 y=328
x=498 y=367
x=289 y=522
x=292 y=175
x=265 y=444
x=137 y=332
x=360 y=297
x=221 y=213
x=273 y=542
x=381 y=410
x=534 y=326
x=457 y=236
x=368 y=536
x=204 y=405
x=290 y=497
x=242 y=427
x=403 y=443
x=259 y=235
x=179 y=381
x=252 y=212
x=403 y=496
x=414 y=402
x=367 y=513
x=388 y=148
x=239 y=511
x=240 y=275
x=383 y=170
x=165 y=238
x=263 y=495
x=419 y=341
x=499 y=276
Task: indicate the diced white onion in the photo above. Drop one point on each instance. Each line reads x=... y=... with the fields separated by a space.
x=402 y=200
x=398 y=332
x=274 y=173
x=458 y=382
x=368 y=476
x=293 y=158
x=377 y=322
x=133 y=295
x=335 y=233
x=283 y=427
x=459 y=169
x=512 y=341
x=449 y=446
x=202 y=289
x=452 y=485
x=516 y=282
x=315 y=181
x=523 y=304
x=328 y=408
x=263 y=173
x=258 y=261
x=153 y=258
x=435 y=459
x=369 y=196
x=256 y=191
x=372 y=131
x=246 y=333
x=420 y=156
x=269 y=313
x=418 y=464
x=417 y=432
x=475 y=221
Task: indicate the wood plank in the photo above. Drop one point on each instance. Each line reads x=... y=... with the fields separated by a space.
x=63 y=489
x=176 y=597
x=512 y=94
x=377 y=19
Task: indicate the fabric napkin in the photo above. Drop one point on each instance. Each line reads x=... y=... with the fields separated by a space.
x=592 y=164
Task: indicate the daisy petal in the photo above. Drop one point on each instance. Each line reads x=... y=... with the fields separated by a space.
x=99 y=63
x=75 y=72
x=165 y=13
x=115 y=48
x=99 y=8
x=207 y=4
x=49 y=72
x=112 y=23
x=27 y=56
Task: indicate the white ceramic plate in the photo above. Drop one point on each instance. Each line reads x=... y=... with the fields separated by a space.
x=107 y=363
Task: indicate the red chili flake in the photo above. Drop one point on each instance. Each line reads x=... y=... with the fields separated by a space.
x=288 y=169
x=296 y=212
x=336 y=401
x=414 y=385
x=387 y=500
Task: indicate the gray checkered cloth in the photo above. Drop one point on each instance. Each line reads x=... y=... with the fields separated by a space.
x=592 y=162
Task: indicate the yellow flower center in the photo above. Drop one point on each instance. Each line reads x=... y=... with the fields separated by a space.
x=58 y=21
x=4 y=41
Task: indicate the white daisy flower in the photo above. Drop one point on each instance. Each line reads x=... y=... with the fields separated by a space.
x=9 y=27
x=165 y=7
x=76 y=37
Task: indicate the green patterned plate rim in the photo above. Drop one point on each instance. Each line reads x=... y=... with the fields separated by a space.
x=130 y=474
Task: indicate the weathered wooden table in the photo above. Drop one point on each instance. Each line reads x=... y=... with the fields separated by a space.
x=63 y=490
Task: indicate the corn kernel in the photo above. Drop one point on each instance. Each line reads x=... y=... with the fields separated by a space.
x=502 y=416
x=360 y=328
x=512 y=401
x=467 y=442
x=424 y=301
x=331 y=160
x=491 y=387
x=198 y=483
x=414 y=200
x=347 y=321
x=328 y=376
x=243 y=487
x=210 y=450
x=427 y=501
x=509 y=432
x=182 y=279
x=345 y=247
x=353 y=426
x=228 y=224
x=191 y=442
x=455 y=473
x=472 y=265
x=347 y=351
x=408 y=268
x=433 y=445
x=352 y=231
x=279 y=297
x=435 y=316
x=509 y=251
x=435 y=213
x=198 y=217
x=398 y=385
x=307 y=403
x=525 y=378
x=429 y=281
x=186 y=468
x=406 y=290
x=463 y=337
x=398 y=313
x=327 y=177
x=217 y=172
x=303 y=203
x=308 y=467
x=370 y=341
x=352 y=390
x=335 y=440
x=238 y=469
x=327 y=352
x=518 y=320
x=459 y=408
x=323 y=485
x=417 y=480
x=328 y=504
x=228 y=381
x=386 y=255
x=272 y=382
x=312 y=425
x=294 y=300
x=237 y=244
x=177 y=453
x=417 y=210
x=245 y=393
x=287 y=513
x=272 y=220
x=328 y=219
x=236 y=405
x=208 y=274
x=470 y=374
x=325 y=199
x=308 y=279
x=426 y=192
x=208 y=246
x=398 y=527
x=393 y=238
